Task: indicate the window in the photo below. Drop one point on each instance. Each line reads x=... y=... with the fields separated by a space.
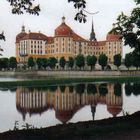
x=56 y=49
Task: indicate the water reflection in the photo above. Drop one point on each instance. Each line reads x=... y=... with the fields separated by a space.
x=66 y=100
x=132 y=88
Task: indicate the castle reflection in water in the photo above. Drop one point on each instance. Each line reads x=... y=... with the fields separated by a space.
x=66 y=100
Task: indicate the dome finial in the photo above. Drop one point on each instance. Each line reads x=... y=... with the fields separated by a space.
x=63 y=19
x=23 y=29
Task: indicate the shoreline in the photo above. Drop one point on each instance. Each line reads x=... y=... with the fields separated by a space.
x=56 y=81
x=115 y=128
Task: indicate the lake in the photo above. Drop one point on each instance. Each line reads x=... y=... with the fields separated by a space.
x=53 y=105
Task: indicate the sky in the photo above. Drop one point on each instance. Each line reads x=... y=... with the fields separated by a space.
x=50 y=17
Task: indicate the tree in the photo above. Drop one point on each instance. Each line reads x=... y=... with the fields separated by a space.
x=80 y=88
x=62 y=62
x=31 y=62
x=5 y=63
x=91 y=89
x=12 y=62
x=136 y=89
x=91 y=61
x=129 y=28
x=80 y=61
x=128 y=89
x=117 y=60
x=52 y=62
x=44 y=62
x=117 y=89
x=2 y=37
x=71 y=62
x=39 y=62
x=135 y=60
x=21 y=6
x=128 y=60
x=103 y=60
x=62 y=88
x=103 y=89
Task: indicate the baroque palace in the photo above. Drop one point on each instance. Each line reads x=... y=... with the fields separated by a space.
x=65 y=43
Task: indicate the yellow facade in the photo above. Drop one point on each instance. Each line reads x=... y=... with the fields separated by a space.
x=65 y=43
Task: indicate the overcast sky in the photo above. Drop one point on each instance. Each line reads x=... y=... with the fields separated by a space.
x=50 y=18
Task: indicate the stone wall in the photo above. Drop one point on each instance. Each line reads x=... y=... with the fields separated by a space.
x=71 y=73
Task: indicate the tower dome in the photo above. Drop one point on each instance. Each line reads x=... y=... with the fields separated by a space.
x=21 y=34
x=114 y=110
x=63 y=29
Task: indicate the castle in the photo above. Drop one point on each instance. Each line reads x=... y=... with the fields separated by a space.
x=65 y=42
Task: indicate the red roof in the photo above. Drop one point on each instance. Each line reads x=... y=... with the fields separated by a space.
x=63 y=30
x=114 y=110
x=113 y=37
x=34 y=36
x=76 y=37
x=50 y=40
x=19 y=36
x=101 y=43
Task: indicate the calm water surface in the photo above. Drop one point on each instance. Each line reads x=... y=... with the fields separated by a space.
x=48 y=106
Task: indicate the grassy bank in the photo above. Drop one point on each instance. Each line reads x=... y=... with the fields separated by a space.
x=91 y=129
x=55 y=81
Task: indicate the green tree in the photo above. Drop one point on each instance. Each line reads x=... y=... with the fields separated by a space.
x=135 y=60
x=31 y=62
x=39 y=62
x=53 y=88
x=128 y=89
x=21 y=6
x=91 y=61
x=44 y=62
x=62 y=62
x=136 y=89
x=12 y=62
x=62 y=88
x=1 y=64
x=52 y=62
x=103 y=89
x=80 y=61
x=117 y=60
x=80 y=88
x=103 y=61
x=71 y=62
x=129 y=28
x=91 y=89
x=5 y=63
x=128 y=60
x=117 y=89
